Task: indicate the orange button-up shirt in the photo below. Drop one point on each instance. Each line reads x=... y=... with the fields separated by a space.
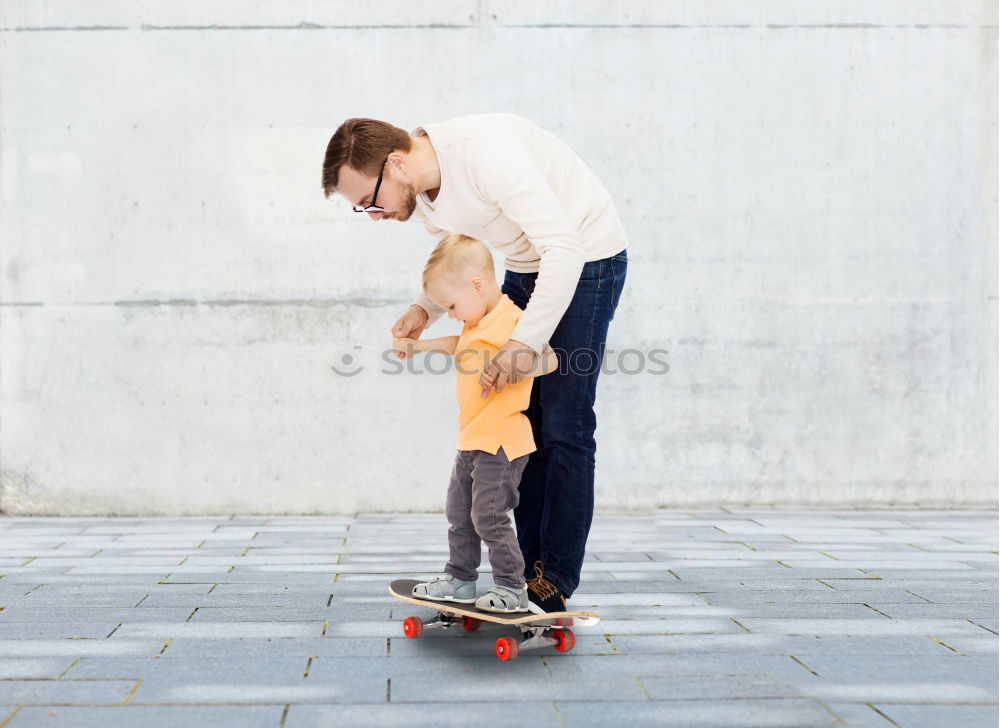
x=499 y=420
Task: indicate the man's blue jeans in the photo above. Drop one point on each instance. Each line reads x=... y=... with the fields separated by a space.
x=557 y=487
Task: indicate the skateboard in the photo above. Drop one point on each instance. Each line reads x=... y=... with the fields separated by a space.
x=537 y=630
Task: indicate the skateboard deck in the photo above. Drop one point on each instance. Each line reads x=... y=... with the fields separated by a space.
x=539 y=630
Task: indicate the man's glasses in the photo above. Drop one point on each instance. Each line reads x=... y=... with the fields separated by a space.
x=373 y=207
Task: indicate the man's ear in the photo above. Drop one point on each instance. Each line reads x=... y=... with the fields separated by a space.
x=398 y=164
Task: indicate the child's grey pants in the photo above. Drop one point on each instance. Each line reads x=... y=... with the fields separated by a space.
x=483 y=489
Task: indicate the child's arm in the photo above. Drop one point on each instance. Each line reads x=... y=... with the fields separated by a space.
x=405 y=348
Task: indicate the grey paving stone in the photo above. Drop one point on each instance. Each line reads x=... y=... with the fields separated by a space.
x=105 y=561
x=936 y=611
x=266 y=614
x=278 y=587
x=296 y=600
x=274 y=578
x=585 y=601
x=767 y=575
x=58 y=630
x=402 y=715
x=63 y=692
x=349 y=689
x=890 y=691
x=961 y=573
x=97 y=590
x=263 y=648
x=17 y=555
x=483 y=678
x=720 y=687
x=587 y=668
x=214 y=630
x=873 y=627
x=109 y=581
x=364 y=628
x=679 y=625
x=77 y=648
x=829 y=596
x=932 y=591
x=66 y=599
x=858 y=715
x=819 y=610
x=482 y=644
x=981 y=670
x=33 y=667
x=774 y=644
x=649 y=575
x=277 y=669
x=937 y=716
x=739 y=581
x=991 y=625
x=922 y=555
x=138 y=716
x=85 y=613
x=678 y=586
x=981 y=644
x=946 y=679
x=779 y=713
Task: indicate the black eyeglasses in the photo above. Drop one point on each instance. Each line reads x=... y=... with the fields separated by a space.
x=373 y=207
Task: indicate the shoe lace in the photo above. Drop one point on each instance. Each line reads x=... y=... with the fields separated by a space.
x=540 y=585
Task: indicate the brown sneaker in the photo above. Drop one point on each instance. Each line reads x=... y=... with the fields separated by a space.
x=543 y=593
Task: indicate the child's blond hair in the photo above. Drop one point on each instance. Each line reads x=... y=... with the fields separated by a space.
x=456 y=254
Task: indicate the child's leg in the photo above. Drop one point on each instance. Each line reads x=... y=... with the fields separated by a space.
x=494 y=493
x=459 y=582
x=464 y=545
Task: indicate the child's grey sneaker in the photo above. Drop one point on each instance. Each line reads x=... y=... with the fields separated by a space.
x=504 y=600
x=447 y=589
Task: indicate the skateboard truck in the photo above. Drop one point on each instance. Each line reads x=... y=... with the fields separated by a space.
x=561 y=638
x=507 y=648
x=414 y=626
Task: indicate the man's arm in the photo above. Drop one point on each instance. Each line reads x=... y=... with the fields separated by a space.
x=431 y=309
x=549 y=362
x=511 y=179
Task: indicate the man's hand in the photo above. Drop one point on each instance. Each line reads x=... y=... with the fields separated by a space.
x=509 y=366
x=410 y=325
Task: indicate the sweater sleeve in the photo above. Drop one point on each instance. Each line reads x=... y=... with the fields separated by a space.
x=434 y=312
x=511 y=179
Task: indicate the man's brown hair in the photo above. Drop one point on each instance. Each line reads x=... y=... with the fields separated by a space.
x=363 y=145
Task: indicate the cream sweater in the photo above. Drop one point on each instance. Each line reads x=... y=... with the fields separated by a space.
x=518 y=188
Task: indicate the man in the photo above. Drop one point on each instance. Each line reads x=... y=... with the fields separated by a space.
x=501 y=179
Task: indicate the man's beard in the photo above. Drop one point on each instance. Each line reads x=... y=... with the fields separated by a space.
x=409 y=203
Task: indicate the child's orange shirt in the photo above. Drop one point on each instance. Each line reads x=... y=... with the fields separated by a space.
x=497 y=421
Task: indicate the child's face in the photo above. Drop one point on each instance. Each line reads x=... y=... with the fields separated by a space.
x=463 y=299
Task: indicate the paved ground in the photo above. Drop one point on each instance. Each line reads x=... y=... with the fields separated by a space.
x=711 y=618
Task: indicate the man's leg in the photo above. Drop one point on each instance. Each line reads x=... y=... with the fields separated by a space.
x=528 y=515
x=564 y=416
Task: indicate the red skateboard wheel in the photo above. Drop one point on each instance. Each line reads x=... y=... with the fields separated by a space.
x=565 y=640
x=471 y=624
x=506 y=648
x=413 y=627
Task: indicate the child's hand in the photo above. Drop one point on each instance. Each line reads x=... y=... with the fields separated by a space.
x=404 y=348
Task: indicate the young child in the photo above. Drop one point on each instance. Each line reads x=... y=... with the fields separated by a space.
x=494 y=438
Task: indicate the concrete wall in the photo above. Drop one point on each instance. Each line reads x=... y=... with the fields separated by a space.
x=810 y=191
